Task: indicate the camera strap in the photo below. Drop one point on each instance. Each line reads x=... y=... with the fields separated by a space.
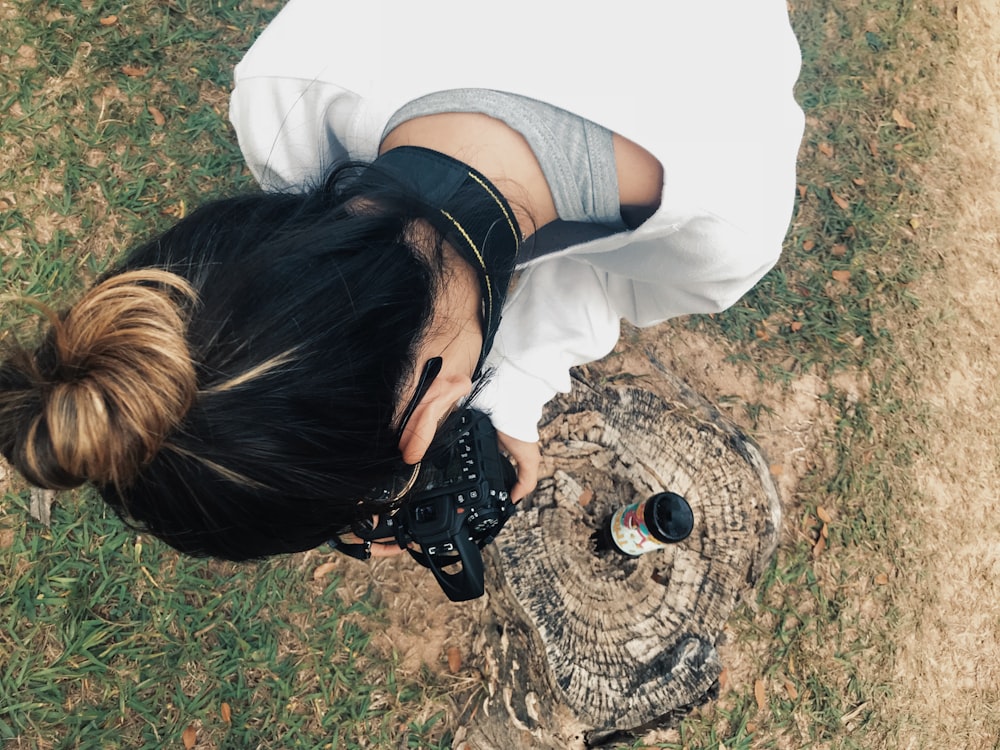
x=471 y=215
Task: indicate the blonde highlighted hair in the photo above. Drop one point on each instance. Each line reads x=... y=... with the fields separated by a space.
x=112 y=379
x=249 y=421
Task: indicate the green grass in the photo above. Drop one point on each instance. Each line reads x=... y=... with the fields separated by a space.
x=112 y=124
x=110 y=640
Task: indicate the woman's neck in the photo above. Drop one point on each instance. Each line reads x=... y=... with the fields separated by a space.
x=492 y=147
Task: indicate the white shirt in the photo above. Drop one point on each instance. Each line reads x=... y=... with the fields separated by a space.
x=704 y=85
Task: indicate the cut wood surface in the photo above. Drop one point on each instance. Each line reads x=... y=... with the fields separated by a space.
x=581 y=646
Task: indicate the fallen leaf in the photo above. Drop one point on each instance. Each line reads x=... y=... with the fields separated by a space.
x=915 y=222
x=751 y=727
x=134 y=71
x=226 y=712
x=823 y=514
x=796 y=326
x=808 y=245
x=190 y=736
x=108 y=21
x=761 y=333
x=873 y=147
x=322 y=571
x=824 y=532
x=723 y=679
x=586 y=496
x=841 y=276
x=177 y=210
x=802 y=191
x=898 y=147
x=776 y=469
x=859 y=181
x=790 y=689
x=840 y=200
x=852 y=715
x=454 y=660
x=839 y=250
x=882 y=579
x=826 y=149
x=819 y=546
x=902 y=120
x=41 y=505
x=158 y=117
x=760 y=694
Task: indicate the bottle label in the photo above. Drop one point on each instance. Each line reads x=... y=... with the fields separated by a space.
x=630 y=533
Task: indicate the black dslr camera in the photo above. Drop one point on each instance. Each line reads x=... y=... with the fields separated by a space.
x=463 y=502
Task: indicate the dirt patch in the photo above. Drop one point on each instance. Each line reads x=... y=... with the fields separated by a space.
x=948 y=666
x=422 y=625
x=788 y=421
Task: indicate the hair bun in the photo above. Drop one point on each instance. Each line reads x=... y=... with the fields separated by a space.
x=115 y=376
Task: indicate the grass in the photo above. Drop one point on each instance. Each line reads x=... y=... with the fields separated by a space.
x=852 y=251
x=820 y=630
x=113 y=125
x=112 y=641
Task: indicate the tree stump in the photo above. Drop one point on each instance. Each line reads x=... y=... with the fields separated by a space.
x=581 y=646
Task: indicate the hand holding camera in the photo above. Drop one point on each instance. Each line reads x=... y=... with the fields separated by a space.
x=462 y=505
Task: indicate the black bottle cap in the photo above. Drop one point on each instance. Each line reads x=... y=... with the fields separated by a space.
x=669 y=517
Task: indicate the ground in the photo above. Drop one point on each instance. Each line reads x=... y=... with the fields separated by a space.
x=948 y=668
x=944 y=679
x=925 y=595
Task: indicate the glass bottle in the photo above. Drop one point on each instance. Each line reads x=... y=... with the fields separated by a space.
x=648 y=525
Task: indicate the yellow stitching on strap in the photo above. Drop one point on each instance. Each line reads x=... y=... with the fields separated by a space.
x=503 y=208
x=479 y=257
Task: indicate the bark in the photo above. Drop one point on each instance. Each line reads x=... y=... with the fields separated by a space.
x=581 y=646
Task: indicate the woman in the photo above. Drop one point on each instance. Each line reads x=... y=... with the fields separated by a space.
x=274 y=366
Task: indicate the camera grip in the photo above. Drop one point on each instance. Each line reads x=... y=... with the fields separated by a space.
x=464 y=584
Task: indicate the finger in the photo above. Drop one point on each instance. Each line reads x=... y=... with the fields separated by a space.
x=524 y=487
x=527 y=458
x=386 y=550
x=527 y=477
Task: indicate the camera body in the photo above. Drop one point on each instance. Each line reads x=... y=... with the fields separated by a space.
x=462 y=505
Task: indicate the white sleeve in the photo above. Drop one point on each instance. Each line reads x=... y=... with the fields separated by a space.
x=288 y=129
x=566 y=311
x=558 y=316
x=296 y=104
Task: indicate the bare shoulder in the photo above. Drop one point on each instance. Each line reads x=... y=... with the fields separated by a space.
x=640 y=180
x=492 y=147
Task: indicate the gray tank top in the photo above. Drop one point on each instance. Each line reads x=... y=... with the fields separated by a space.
x=577 y=158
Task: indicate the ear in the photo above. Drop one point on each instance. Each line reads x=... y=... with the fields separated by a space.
x=437 y=403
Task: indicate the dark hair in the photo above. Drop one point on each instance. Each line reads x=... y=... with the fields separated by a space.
x=239 y=400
